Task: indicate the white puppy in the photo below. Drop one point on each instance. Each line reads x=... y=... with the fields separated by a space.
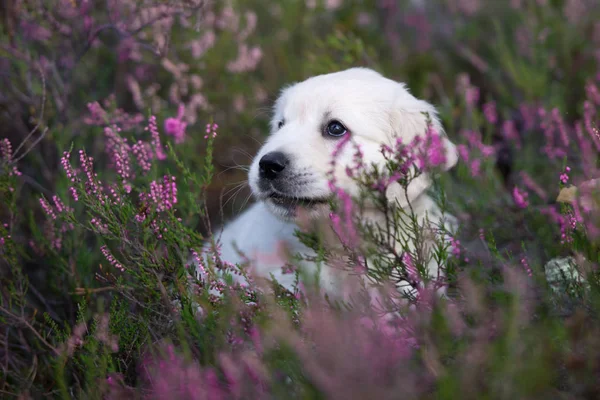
x=289 y=175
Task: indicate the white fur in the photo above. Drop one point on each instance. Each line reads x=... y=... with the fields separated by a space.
x=376 y=111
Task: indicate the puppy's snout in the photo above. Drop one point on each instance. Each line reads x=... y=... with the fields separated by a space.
x=272 y=164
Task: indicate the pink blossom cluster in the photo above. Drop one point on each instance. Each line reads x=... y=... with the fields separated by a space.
x=411 y=269
x=247 y=59
x=455 y=247
x=211 y=131
x=204 y=43
x=96 y=222
x=510 y=133
x=432 y=153
x=6 y=156
x=142 y=151
x=153 y=129
x=176 y=126
x=58 y=208
x=111 y=259
x=119 y=150
x=520 y=197
x=469 y=92
x=70 y=172
x=526 y=266
x=564 y=176
x=162 y=198
x=163 y=195
x=92 y=184
x=490 y=112
x=98 y=116
x=474 y=142
x=567 y=223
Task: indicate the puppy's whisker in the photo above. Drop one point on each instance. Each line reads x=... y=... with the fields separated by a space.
x=237 y=186
x=234 y=196
x=260 y=144
x=244 y=152
x=234 y=167
x=245 y=202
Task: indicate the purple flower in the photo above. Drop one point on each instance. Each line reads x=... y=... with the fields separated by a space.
x=176 y=126
x=490 y=113
x=520 y=198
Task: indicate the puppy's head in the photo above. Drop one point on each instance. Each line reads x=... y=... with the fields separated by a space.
x=291 y=170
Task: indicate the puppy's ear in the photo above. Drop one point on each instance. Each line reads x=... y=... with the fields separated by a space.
x=411 y=117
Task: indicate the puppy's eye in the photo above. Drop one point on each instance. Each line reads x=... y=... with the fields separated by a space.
x=280 y=124
x=335 y=129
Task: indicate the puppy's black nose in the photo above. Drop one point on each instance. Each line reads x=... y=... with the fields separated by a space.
x=271 y=164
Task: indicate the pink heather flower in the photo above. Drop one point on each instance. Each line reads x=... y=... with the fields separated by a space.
x=111 y=259
x=92 y=186
x=98 y=115
x=510 y=133
x=463 y=151
x=66 y=164
x=568 y=223
x=119 y=150
x=520 y=197
x=103 y=228
x=455 y=247
x=198 y=261
x=475 y=167
x=472 y=96
x=143 y=154
x=529 y=114
x=434 y=154
x=592 y=92
x=152 y=127
x=490 y=113
x=35 y=32
x=176 y=126
x=564 y=177
x=525 y=265
x=47 y=208
x=288 y=269
x=60 y=207
x=200 y=46
x=247 y=59
x=6 y=155
x=211 y=131
x=163 y=195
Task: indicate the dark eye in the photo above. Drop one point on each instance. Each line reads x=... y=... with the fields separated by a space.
x=280 y=124
x=335 y=129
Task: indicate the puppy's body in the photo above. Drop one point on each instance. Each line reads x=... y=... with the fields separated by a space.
x=290 y=175
x=258 y=236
